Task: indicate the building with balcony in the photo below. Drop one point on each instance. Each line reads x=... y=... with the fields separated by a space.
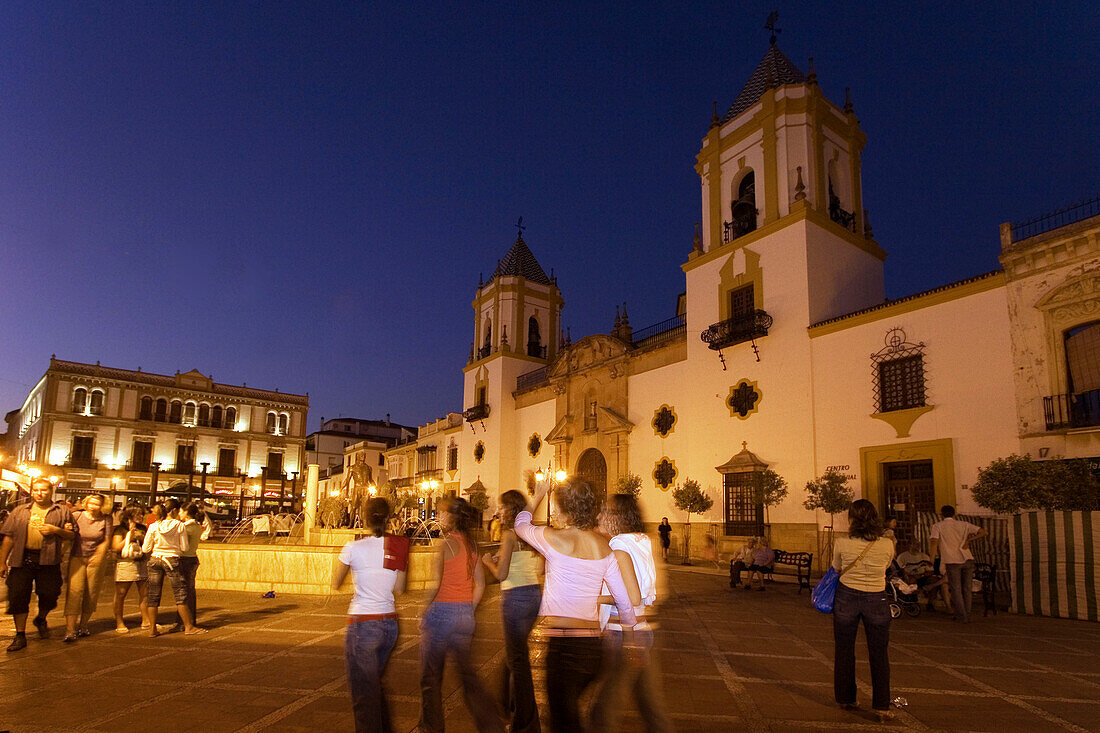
x=328 y=446
x=118 y=430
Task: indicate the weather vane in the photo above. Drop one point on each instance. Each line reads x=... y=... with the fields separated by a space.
x=769 y=24
x=520 y=227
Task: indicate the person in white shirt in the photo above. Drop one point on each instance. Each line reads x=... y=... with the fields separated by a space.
x=621 y=519
x=951 y=540
x=198 y=528
x=165 y=541
x=378 y=565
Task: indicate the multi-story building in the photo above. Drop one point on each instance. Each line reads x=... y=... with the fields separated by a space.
x=430 y=462
x=328 y=446
x=118 y=430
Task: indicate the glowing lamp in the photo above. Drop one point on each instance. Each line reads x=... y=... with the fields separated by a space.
x=561 y=475
x=540 y=476
x=114 y=479
x=35 y=472
x=54 y=479
x=334 y=492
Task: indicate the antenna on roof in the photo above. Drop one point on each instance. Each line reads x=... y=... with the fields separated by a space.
x=769 y=24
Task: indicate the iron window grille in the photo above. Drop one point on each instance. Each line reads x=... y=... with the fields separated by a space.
x=744 y=514
x=899 y=374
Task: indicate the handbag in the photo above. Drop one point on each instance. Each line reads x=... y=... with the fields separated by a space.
x=824 y=593
x=130 y=550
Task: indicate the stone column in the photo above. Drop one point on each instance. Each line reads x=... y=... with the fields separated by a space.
x=313 y=471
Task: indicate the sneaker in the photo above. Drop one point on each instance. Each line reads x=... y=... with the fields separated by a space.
x=19 y=642
x=43 y=628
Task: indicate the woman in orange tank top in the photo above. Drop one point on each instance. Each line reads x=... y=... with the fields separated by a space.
x=447 y=627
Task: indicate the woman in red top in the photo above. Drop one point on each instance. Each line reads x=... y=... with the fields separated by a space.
x=448 y=621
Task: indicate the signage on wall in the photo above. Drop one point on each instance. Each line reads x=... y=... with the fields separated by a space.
x=843 y=469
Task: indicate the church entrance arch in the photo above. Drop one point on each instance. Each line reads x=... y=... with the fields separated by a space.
x=592 y=468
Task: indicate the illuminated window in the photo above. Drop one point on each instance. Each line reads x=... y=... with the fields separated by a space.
x=189 y=413
x=80 y=400
x=96 y=406
x=271 y=418
x=230 y=417
x=284 y=424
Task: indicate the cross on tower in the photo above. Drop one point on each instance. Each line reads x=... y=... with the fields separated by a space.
x=519 y=227
x=769 y=24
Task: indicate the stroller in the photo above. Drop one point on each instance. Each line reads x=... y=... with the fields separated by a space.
x=906 y=596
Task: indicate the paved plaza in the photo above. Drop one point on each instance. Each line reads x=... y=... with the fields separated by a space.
x=730 y=660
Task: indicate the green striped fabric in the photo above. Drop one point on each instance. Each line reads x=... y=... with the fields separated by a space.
x=1054 y=564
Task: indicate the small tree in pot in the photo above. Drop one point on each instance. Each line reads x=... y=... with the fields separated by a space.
x=769 y=489
x=690 y=498
x=830 y=493
x=630 y=483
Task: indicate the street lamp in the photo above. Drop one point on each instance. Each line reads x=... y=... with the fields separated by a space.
x=555 y=478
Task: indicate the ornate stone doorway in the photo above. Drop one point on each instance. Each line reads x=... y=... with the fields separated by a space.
x=593 y=468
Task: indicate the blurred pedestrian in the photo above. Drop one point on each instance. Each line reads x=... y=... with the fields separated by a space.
x=862 y=558
x=447 y=626
x=950 y=540
x=629 y=670
x=579 y=561
x=198 y=529
x=30 y=556
x=87 y=564
x=378 y=565
x=664 y=530
x=165 y=540
x=517 y=567
x=132 y=566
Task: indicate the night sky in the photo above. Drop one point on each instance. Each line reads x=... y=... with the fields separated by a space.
x=303 y=198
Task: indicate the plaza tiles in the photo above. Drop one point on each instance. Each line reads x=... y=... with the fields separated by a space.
x=729 y=660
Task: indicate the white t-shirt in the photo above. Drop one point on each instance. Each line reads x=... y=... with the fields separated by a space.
x=640 y=549
x=373 y=583
x=951 y=533
x=166 y=538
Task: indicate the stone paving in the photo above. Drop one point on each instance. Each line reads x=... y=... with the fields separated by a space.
x=730 y=660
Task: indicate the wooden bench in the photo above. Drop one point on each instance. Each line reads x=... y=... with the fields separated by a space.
x=799 y=561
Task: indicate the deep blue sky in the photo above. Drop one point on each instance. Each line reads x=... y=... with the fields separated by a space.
x=303 y=198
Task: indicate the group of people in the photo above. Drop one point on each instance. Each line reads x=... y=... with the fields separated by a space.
x=863 y=559
x=591 y=581
x=142 y=548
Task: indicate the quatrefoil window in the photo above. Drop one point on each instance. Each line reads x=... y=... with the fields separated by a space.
x=663 y=421
x=744 y=399
x=479 y=451
x=534 y=445
x=664 y=473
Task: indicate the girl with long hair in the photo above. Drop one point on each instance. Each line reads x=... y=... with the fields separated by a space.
x=447 y=626
x=579 y=561
x=621 y=520
x=379 y=564
x=518 y=567
x=131 y=567
x=862 y=558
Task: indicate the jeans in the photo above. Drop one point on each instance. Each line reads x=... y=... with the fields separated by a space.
x=520 y=609
x=367 y=647
x=572 y=664
x=189 y=568
x=159 y=568
x=448 y=628
x=618 y=675
x=874 y=608
x=45 y=579
x=961 y=577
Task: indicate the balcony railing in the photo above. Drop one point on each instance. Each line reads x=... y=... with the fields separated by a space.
x=667 y=330
x=751 y=325
x=532 y=378
x=139 y=466
x=535 y=350
x=403 y=483
x=846 y=219
x=179 y=468
x=477 y=412
x=81 y=463
x=731 y=230
x=226 y=471
x=1055 y=219
x=484 y=351
x=1081 y=410
x=429 y=474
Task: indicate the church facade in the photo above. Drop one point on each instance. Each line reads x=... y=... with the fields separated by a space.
x=784 y=353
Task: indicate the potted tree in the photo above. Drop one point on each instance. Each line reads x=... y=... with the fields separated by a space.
x=630 y=483
x=769 y=489
x=691 y=498
x=830 y=493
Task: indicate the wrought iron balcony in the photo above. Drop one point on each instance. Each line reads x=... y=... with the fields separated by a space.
x=846 y=219
x=405 y=482
x=81 y=463
x=145 y=466
x=484 y=351
x=535 y=350
x=477 y=412
x=667 y=330
x=751 y=325
x=429 y=474
x=226 y=471
x=532 y=378
x=1081 y=410
x=179 y=468
x=731 y=230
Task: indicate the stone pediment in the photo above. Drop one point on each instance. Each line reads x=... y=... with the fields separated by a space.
x=562 y=432
x=1074 y=289
x=587 y=353
x=615 y=422
x=194 y=379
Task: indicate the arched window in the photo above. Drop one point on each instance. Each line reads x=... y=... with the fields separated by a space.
x=80 y=400
x=189 y=413
x=534 y=338
x=204 y=415
x=231 y=417
x=271 y=422
x=216 y=416
x=837 y=213
x=175 y=413
x=284 y=423
x=96 y=406
x=487 y=348
x=742 y=209
x=146 y=410
x=162 y=410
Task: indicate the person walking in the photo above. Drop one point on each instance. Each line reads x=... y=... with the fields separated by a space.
x=198 y=528
x=30 y=557
x=87 y=563
x=378 y=565
x=447 y=626
x=950 y=539
x=517 y=567
x=862 y=558
x=132 y=566
x=165 y=541
x=621 y=520
x=664 y=530
x=579 y=561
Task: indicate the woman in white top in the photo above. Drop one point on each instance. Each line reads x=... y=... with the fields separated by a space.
x=378 y=565
x=621 y=519
x=164 y=542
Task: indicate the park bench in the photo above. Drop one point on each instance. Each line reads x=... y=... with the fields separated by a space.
x=799 y=564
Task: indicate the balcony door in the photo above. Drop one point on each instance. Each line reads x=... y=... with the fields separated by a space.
x=227 y=462
x=909 y=490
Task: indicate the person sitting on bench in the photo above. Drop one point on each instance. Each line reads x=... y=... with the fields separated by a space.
x=740 y=561
x=763 y=561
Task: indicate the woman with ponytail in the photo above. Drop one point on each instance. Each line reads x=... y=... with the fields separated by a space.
x=517 y=566
x=378 y=564
x=447 y=626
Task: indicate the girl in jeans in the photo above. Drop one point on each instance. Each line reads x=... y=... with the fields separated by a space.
x=164 y=541
x=579 y=561
x=861 y=558
x=448 y=623
x=378 y=566
x=518 y=568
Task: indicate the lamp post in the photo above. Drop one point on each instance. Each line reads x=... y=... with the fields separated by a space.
x=293 y=488
x=202 y=489
x=153 y=483
x=554 y=478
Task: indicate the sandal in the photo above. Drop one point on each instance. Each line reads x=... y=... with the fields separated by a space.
x=82 y=633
